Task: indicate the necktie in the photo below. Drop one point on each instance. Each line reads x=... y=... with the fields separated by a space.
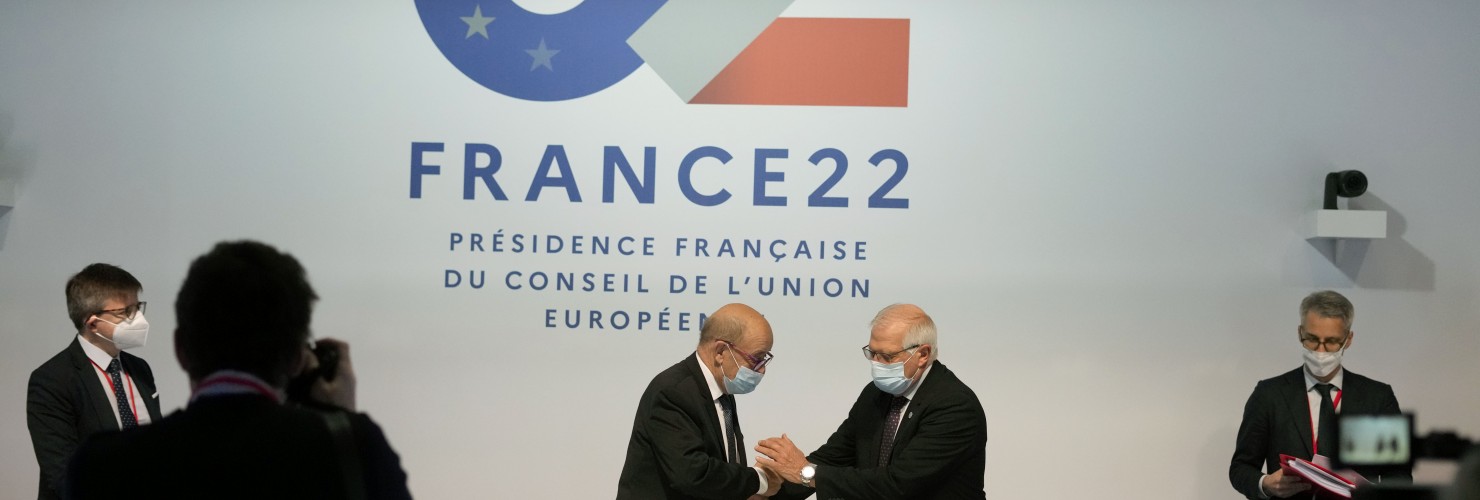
x=125 y=414
x=891 y=426
x=1326 y=435
x=732 y=427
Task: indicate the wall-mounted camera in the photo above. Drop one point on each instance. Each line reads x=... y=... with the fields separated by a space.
x=1346 y=184
x=1332 y=223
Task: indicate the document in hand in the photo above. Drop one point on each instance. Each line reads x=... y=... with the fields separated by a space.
x=1318 y=476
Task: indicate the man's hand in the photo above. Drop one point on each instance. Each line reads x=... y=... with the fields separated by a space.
x=1277 y=485
x=780 y=455
x=773 y=481
x=340 y=392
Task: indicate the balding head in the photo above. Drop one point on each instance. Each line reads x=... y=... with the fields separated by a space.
x=733 y=323
x=734 y=328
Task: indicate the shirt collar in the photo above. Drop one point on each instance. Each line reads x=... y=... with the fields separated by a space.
x=1310 y=380
x=231 y=383
x=910 y=394
x=714 y=390
x=94 y=353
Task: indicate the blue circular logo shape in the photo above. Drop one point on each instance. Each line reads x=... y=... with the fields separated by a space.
x=538 y=57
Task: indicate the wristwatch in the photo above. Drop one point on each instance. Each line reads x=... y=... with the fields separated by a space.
x=809 y=472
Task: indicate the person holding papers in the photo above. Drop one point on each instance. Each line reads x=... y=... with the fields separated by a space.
x=1294 y=414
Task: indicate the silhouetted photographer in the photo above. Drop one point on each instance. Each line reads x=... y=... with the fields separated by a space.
x=242 y=333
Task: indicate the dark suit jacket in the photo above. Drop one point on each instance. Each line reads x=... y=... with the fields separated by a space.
x=939 y=450
x=1277 y=420
x=676 y=450
x=65 y=404
x=242 y=446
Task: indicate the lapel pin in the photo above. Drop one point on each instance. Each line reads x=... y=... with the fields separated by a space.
x=911 y=415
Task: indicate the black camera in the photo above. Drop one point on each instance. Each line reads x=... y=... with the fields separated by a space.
x=299 y=386
x=1390 y=442
x=1346 y=184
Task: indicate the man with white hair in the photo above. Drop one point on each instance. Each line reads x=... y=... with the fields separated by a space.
x=916 y=432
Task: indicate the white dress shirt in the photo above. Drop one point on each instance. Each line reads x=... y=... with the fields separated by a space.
x=910 y=395
x=724 y=426
x=130 y=391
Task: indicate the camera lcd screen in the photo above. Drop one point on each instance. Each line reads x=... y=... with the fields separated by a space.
x=1376 y=440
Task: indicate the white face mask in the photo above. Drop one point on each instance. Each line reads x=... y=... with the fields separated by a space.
x=129 y=334
x=1321 y=364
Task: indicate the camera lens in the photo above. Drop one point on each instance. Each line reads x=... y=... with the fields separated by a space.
x=1352 y=183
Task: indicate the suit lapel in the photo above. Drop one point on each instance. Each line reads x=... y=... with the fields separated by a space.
x=143 y=384
x=712 y=433
x=95 y=401
x=869 y=442
x=1297 y=405
x=924 y=396
x=1352 y=395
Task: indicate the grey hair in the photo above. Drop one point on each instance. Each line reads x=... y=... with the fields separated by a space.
x=921 y=327
x=1328 y=304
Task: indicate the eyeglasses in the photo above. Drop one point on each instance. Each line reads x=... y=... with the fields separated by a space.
x=756 y=362
x=1312 y=342
x=883 y=357
x=127 y=313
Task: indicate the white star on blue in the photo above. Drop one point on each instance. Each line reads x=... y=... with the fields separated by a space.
x=542 y=56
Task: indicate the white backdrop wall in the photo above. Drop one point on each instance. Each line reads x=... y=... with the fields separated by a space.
x=1104 y=220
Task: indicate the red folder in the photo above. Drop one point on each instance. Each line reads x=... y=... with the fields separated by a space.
x=1320 y=478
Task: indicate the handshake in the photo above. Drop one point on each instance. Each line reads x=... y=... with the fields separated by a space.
x=781 y=461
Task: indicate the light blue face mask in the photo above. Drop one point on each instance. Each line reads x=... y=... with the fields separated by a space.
x=745 y=379
x=890 y=378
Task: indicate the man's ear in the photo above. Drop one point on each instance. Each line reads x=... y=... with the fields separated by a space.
x=720 y=350
x=927 y=354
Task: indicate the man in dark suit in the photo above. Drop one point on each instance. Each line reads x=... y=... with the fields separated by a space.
x=242 y=330
x=1294 y=414
x=92 y=385
x=916 y=432
x=686 y=440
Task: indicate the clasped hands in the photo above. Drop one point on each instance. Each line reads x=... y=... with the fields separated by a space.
x=779 y=457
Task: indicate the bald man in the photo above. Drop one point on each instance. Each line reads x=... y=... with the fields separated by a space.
x=686 y=440
x=916 y=432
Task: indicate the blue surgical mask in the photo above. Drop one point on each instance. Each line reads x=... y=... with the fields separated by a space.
x=890 y=378
x=745 y=379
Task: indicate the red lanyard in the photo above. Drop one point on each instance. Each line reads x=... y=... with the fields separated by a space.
x=1335 y=402
x=131 y=406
